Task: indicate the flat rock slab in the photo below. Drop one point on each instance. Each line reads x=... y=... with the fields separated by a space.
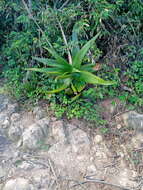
x=4 y=142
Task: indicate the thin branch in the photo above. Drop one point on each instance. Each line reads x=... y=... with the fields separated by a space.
x=91 y=180
x=64 y=4
x=120 y=113
x=106 y=183
x=30 y=5
x=54 y=173
x=100 y=182
x=65 y=41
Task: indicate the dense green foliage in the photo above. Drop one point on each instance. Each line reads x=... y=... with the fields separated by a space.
x=26 y=33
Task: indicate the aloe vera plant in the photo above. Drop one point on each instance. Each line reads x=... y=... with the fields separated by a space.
x=75 y=75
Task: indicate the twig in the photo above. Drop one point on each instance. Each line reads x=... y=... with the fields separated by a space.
x=65 y=41
x=64 y=4
x=120 y=113
x=138 y=149
x=92 y=180
x=30 y=5
x=53 y=171
x=103 y=182
x=110 y=165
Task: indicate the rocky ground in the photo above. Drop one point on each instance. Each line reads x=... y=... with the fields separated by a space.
x=39 y=152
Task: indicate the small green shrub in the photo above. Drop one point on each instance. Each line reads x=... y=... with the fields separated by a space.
x=80 y=108
x=135 y=82
x=73 y=74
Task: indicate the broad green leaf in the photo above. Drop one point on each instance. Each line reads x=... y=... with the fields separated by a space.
x=58 y=58
x=58 y=89
x=63 y=87
x=77 y=60
x=63 y=76
x=73 y=88
x=74 y=70
x=53 y=63
x=75 y=48
x=46 y=61
x=92 y=79
x=46 y=70
x=75 y=97
x=80 y=85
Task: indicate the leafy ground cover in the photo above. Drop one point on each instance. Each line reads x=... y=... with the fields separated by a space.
x=27 y=28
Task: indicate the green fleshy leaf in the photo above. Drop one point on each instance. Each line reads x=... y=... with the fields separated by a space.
x=45 y=70
x=93 y=79
x=77 y=61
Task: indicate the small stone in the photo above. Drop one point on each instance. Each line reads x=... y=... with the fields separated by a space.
x=134 y=174
x=19 y=144
x=119 y=126
x=35 y=134
x=2 y=172
x=16 y=154
x=6 y=123
x=98 y=139
x=3 y=118
x=15 y=132
x=39 y=112
x=58 y=131
x=25 y=166
x=12 y=108
x=91 y=170
x=18 y=184
x=4 y=143
x=121 y=154
x=15 y=117
x=133 y=120
x=53 y=119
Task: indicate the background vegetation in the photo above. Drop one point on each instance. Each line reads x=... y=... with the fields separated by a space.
x=116 y=55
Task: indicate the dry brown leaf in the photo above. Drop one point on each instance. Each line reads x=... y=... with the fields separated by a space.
x=97 y=67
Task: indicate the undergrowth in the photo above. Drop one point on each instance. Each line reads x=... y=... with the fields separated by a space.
x=117 y=55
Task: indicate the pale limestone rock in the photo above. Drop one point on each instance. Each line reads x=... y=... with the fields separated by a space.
x=6 y=123
x=4 y=120
x=15 y=132
x=12 y=108
x=2 y=172
x=124 y=178
x=18 y=184
x=15 y=117
x=35 y=133
x=72 y=156
x=133 y=120
x=58 y=131
x=41 y=178
x=39 y=113
x=91 y=170
x=4 y=143
x=78 y=139
x=98 y=139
